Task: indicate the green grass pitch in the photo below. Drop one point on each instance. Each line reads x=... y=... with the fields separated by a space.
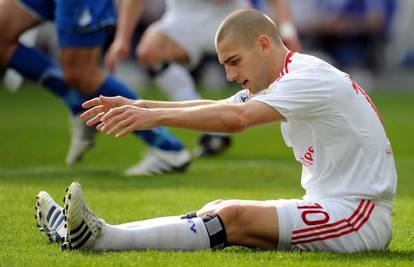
x=34 y=137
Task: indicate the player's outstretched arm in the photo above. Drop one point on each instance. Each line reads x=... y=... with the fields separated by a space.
x=98 y=106
x=175 y=104
x=219 y=117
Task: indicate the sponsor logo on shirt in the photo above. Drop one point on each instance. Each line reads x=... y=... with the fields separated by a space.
x=307 y=158
x=244 y=96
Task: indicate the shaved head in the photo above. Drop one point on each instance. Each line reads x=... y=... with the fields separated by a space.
x=250 y=49
x=245 y=26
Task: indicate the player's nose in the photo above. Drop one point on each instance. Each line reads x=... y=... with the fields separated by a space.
x=231 y=74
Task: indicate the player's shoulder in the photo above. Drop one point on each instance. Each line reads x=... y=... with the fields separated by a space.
x=245 y=95
x=303 y=63
x=240 y=97
x=308 y=70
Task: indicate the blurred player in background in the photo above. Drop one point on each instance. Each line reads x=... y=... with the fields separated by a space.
x=83 y=27
x=183 y=35
x=352 y=34
x=333 y=127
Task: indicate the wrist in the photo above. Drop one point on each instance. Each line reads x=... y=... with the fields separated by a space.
x=141 y=103
x=157 y=116
x=122 y=37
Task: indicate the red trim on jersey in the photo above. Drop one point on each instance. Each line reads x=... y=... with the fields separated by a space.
x=288 y=60
x=314 y=206
x=336 y=229
x=330 y=224
x=357 y=89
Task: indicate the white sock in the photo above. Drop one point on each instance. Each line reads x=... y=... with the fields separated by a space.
x=178 y=234
x=177 y=83
x=159 y=220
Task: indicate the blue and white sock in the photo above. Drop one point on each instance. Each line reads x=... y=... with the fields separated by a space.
x=36 y=66
x=158 y=137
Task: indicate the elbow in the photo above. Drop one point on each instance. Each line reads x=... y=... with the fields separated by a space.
x=237 y=125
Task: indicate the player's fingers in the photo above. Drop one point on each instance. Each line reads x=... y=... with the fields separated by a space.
x=99 y=127
x=111 y=101
x=120 y=125
x=92 y=112
x=109 y=124
x=90 y=103
x=113 y=112
x=125 y=131
x=95 y=120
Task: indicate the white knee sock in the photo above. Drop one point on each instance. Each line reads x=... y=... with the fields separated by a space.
x=177 y=83
x=160 y=220
x=174 y=234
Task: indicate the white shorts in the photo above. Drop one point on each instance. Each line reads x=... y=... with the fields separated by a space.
x=193 y=24
x=337 y=225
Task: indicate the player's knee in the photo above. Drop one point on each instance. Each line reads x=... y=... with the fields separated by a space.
x=235 y=222
x=6 y=50
x=231 y=214
x=6 y=38
x=148 y=56
x=7 y=43
x=77 y=79
x=5 y=35
x=71 y=78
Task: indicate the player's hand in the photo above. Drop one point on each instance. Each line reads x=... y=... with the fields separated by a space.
x=141 y=103
x=99 y=106
x=122 y=120
x=117 y=52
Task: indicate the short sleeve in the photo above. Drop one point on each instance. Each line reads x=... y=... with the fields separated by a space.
x=240 y=97
x=299 y=98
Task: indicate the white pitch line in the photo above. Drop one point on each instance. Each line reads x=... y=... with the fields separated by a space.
x=56 y=170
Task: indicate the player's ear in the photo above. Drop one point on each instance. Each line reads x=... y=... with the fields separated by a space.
x=264 y=44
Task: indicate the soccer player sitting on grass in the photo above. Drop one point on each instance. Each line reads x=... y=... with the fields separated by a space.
x=331 y=124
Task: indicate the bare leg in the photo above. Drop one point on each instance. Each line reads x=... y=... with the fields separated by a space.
x=213 y=207
x=247 y=223
x=164 y=58
x=81 y=70
x=155 y=48
x=14 y=20
x=251 y=225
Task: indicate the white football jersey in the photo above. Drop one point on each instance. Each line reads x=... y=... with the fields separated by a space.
x=187 y=7
x=204 y=16
x=334 y=130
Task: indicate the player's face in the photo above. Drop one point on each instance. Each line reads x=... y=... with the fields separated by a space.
x=244 y=65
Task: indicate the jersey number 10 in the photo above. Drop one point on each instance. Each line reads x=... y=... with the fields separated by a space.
x=311 y=211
